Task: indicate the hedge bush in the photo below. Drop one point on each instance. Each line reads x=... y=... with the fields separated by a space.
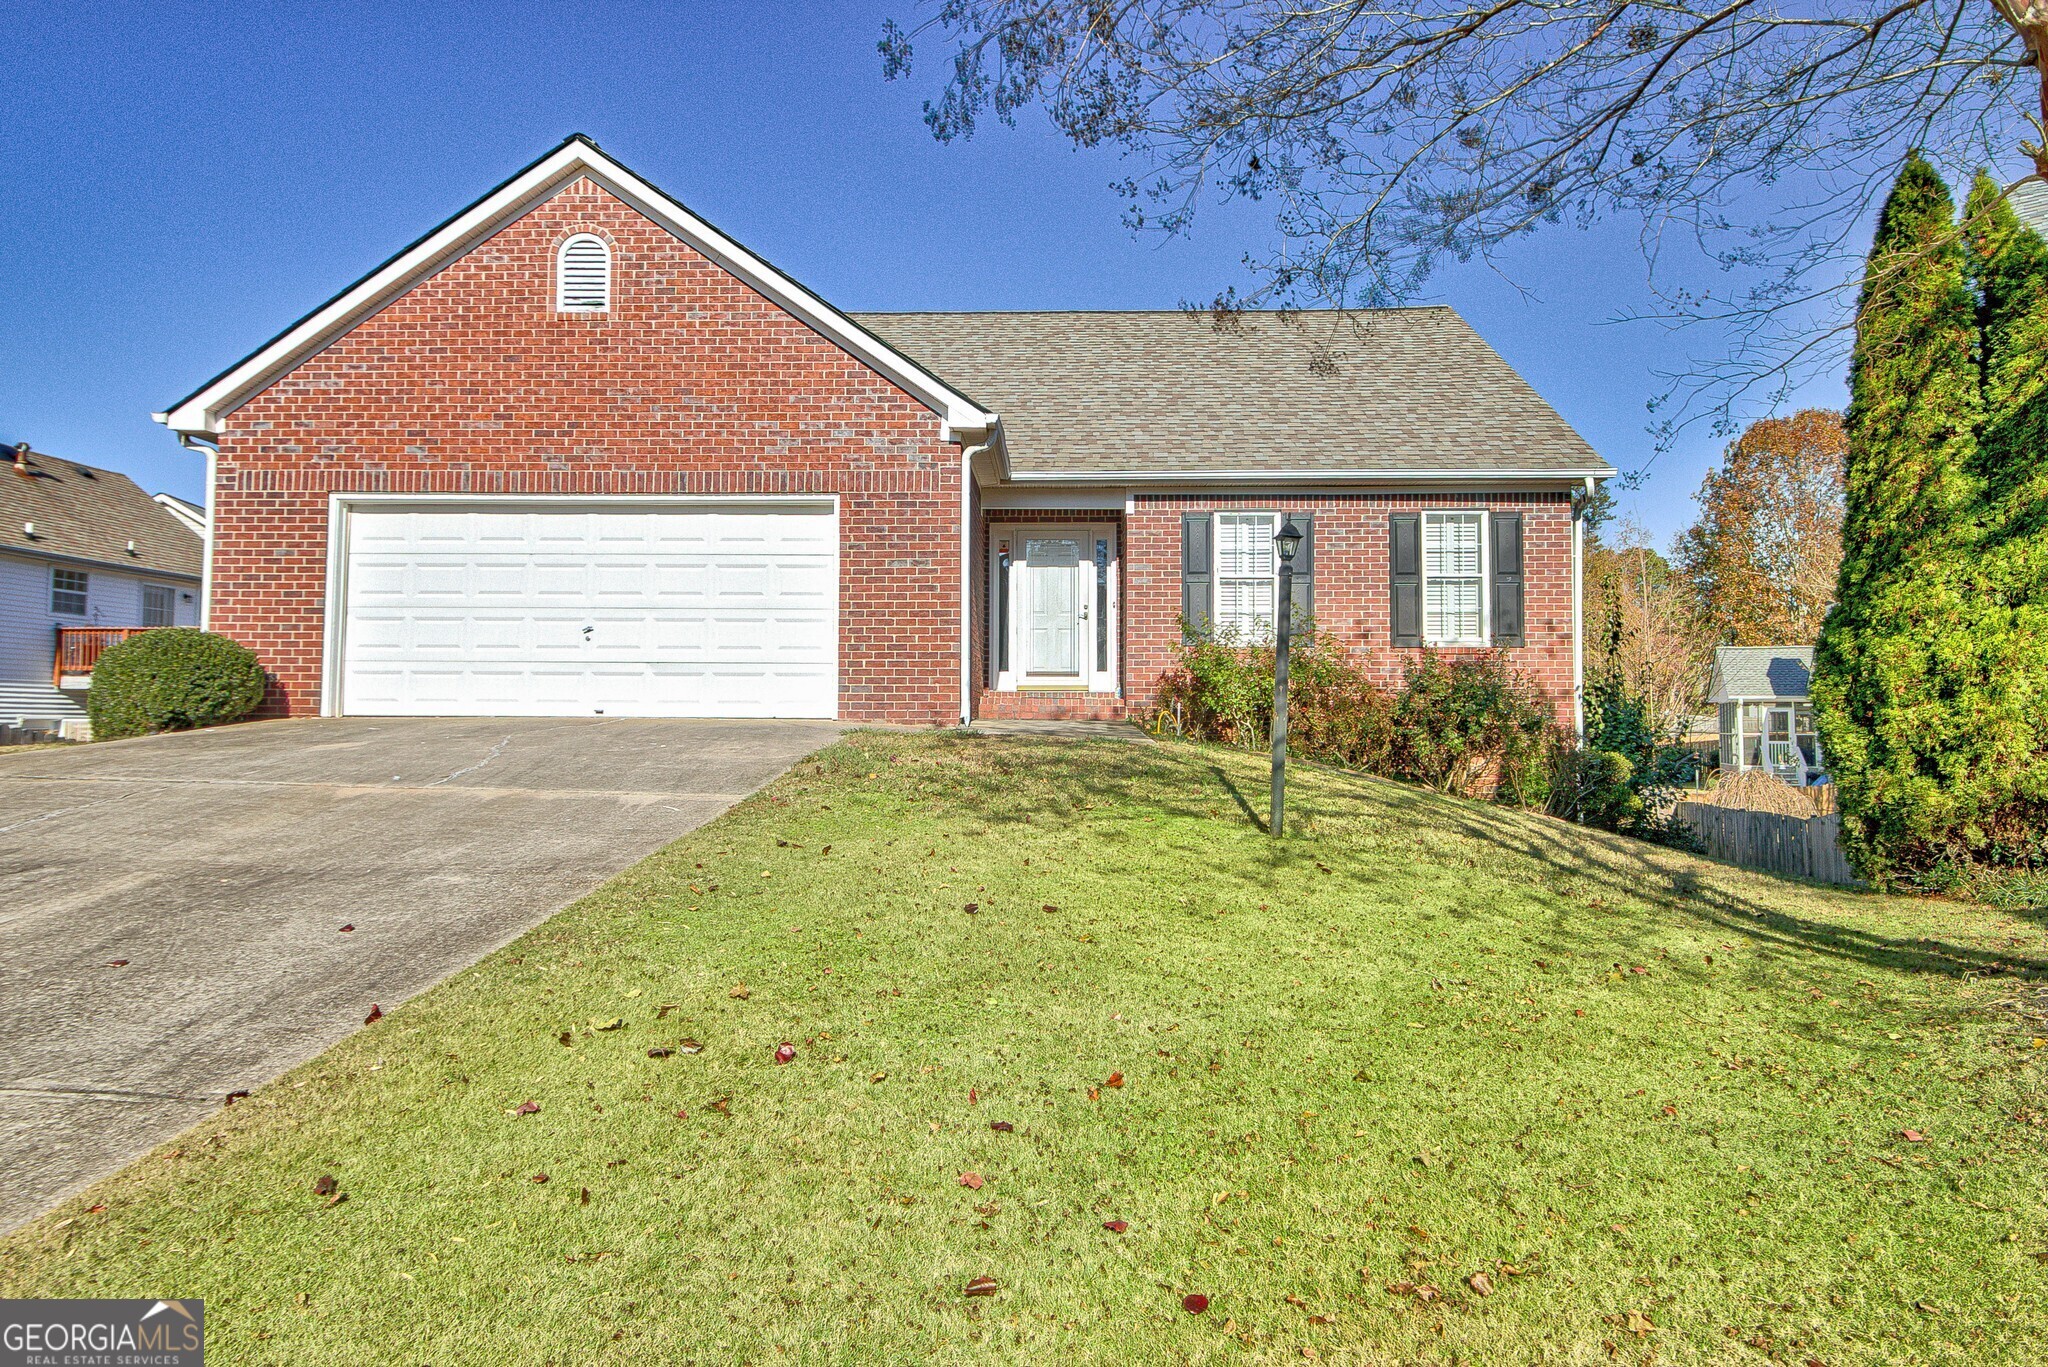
x=1465 y=725
x=172 y=679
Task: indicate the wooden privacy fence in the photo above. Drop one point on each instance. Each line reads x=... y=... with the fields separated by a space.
x=1796 y=846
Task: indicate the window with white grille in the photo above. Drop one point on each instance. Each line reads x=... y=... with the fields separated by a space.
x=1244 y=575
x=1454 y=579
x=583 y=275
x=67 y=592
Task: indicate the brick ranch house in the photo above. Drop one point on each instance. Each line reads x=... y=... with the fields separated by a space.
x=577 y=452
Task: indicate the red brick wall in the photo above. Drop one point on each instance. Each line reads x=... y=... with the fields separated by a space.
x=1351 y=580
x=691 y=383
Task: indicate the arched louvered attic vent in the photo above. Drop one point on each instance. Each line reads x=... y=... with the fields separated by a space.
x=583 y=275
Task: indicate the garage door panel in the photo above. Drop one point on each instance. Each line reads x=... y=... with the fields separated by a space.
x=689 y=611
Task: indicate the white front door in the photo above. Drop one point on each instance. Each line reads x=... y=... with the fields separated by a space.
x=1055 y=610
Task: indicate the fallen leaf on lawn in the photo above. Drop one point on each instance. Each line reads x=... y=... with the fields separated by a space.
x=827 y=849
x=739 y=993
x=1116 y=1226
x=1671 y=1110
x=1426 y=1293
x=1400 y=1288
x=347 y=928
x=584 y=1199
x=971 y=908
x=540 y=1179
x=689 y=1046
x=613 y=1024
x=972 y=1096
x=525 y=1108
x=336 y=1199
x=682 y=1115
x=1001 y=1126
x=785 y=1053
x=1480 y=1283
x=879 y=1077
x=1924 y=1308
x=1293 y=1299
x=1194 y=1302
x=566 y=1038
x=233 y=1097
x=376 y=1014
x=1913 y=1136
x=1638 y=968
x=659 y=1053
x=1048 y=908
x=1115 y=1080
x=1640 y=1324
x=324 y=1185
x=723 y=1105
x=982 y=1286
x=96 y=1210
x=1095 y=1094
x=971 y=1181
x=1320 y=1319
x=1419 y=1232
x=661 y=1012
x=118 y=963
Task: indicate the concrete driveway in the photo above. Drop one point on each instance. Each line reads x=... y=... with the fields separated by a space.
x=221 y=866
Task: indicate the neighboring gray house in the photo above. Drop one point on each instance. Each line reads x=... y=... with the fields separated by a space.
x=86 y=558
x=1764 y=696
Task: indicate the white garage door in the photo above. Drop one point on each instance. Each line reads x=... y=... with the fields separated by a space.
x=539 y=610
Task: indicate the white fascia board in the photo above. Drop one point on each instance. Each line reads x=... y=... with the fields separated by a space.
x=1257 y=477
x=204 y=413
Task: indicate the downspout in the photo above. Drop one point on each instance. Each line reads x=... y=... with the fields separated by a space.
x=967 y=455
x=1579 y=615
x=206 y=551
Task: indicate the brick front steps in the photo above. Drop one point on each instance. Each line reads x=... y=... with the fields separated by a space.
x=1063 y=705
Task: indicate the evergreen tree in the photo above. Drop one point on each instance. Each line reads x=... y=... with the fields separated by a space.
x=2008 y=820
x=1885 y=666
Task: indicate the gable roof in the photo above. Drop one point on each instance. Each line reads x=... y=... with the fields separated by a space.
x=1311 y=395
x=82 y=512
x=1760 y=672
x=202 y=412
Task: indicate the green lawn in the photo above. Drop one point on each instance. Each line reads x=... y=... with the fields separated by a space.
x=1663 y=1105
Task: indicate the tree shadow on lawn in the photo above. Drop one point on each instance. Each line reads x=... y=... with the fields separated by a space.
x=1698 y=888
x=1157 y=779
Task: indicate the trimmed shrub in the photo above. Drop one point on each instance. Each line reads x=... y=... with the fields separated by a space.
x=1468 y=725
x=172 y=679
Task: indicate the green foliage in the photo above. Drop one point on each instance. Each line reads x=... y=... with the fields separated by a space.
x=1460 y=725
x=1626 y=772
x=2007 y=807
x=1461 y=721
x=1892 y=690
x=171 y=680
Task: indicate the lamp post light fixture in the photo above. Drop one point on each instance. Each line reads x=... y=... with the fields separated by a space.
x=1287 y=541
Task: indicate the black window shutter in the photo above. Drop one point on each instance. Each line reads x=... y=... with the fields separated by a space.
x=1196 y=555
x=1405 y=560
x=1304 y=567
x=1507 y=579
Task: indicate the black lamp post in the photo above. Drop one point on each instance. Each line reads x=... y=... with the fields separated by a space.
x=1287 y=541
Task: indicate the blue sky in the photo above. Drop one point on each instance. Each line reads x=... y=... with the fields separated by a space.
x=191 y=178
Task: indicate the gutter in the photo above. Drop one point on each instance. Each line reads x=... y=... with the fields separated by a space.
x=1305 y=476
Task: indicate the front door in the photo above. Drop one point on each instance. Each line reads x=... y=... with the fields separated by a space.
x=1055 y=612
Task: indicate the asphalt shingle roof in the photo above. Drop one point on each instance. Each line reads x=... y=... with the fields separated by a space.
x=1394 y=390
x=1761 y=672
x=90 y=514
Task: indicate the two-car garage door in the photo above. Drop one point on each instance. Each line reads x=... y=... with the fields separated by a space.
x=509 y=608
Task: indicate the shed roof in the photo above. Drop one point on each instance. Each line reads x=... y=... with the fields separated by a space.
x=1756 y=673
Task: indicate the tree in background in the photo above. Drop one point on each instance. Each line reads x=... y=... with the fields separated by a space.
x=1654 y=644
x=1390 y=139
x=2010 y=265
x=1892 y=718
x=1763 y=557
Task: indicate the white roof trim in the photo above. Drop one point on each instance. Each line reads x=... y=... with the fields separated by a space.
x=205 y=412
x=1297 y=476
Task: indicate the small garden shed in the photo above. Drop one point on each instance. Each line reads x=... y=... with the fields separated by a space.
x=1764 y=697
